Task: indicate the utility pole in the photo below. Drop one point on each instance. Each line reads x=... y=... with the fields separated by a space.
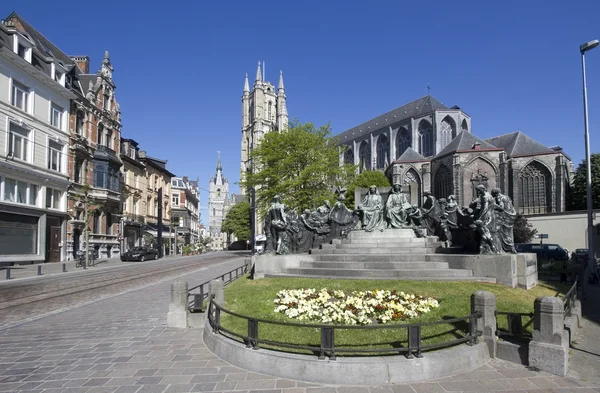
x=171 y=237
x=159 y=241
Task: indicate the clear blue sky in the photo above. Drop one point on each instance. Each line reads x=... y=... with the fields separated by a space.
x=179 y=66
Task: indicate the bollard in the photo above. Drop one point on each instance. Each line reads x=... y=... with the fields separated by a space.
x=64 y=268
x=549 y=346
x=8 y=273
x=217 y=288
x=485 y=303
x=177 y=316
x=39 y=270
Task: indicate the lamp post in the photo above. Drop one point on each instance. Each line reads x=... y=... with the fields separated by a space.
x=590 y=209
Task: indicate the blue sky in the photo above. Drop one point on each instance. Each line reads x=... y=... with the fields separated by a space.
x=179 y=67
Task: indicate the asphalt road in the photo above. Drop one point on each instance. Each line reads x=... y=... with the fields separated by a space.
x=29 y=299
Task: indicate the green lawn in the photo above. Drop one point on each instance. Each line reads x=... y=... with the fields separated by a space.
x=255 y=298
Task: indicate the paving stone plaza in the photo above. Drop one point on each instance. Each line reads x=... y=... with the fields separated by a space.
x=122 y=344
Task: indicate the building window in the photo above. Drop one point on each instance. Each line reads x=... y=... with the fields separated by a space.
x=109 y=143
x=134 y=207
x=383 y=151
x=96 y=227
x=132 y=152
x=53 y=198
x=535 y=183
x=106 y=176
x=19 y=234
x=156 y=208
x=403 y=141
x=20 y=96
x=364 y=154
x=56 y=116
x=59 y=77
x=443 y=182
x=17 y=191
x=18 y=142
x=100 y=140
x=77 y=170
x=109 y=223
x=349 y=157
x=426 y=142
x=55 y=152
x=175 y=200
x=464 y=125
x=447 y=131
x=106 y=102
x=22 y=51
x=79 y=123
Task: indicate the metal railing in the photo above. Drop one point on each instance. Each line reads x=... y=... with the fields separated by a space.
x=327 y=347
x=570 y=298
x=198 y=294
x=515 y=327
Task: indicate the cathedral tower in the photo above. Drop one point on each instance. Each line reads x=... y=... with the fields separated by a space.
x=263 y=110
x=217 y=200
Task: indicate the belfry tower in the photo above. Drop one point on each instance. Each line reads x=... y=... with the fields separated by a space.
x=263 y=110
x=217 y=199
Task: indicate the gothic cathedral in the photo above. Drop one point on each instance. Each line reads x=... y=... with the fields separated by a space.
x=217 y=200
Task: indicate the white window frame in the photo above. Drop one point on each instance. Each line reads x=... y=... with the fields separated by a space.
x=27 y=94
x=25 y=147
x=175 y=196
x=60 y=159
x=80 y=131
x=20 y=39
x=58 y=73
x=53 y=198
x=132 y=152
x=29 y=187
x=56 y=110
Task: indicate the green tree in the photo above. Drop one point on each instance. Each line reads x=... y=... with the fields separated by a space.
x=577 y=198
x=237 y=221
x=523 y=231
x=301 y=164
x=364 y=180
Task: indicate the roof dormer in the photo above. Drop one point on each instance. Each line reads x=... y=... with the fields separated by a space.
x=22 y=46
x=58 y=73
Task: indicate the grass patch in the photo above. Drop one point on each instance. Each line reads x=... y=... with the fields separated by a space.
x=255 y=298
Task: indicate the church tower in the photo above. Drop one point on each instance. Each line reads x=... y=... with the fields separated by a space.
x=217 y=200
x=263 y=110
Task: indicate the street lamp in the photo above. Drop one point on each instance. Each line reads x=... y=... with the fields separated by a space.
x=590 y=209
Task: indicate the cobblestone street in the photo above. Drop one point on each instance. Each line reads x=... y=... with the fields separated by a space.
x=121 y=344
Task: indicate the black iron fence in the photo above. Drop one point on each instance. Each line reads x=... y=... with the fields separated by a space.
x=198 y=294
x=570 y=298
x=516 y=325
x=328 y=348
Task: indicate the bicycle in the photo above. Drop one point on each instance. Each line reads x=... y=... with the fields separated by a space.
x=80 y=259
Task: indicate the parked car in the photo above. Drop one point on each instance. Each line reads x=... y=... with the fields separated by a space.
x=139 y=254
x=546 y=252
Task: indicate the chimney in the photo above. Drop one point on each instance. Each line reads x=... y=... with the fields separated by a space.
x=476 y=146
x=185 y=179
x=83 y=63
x=142 y=153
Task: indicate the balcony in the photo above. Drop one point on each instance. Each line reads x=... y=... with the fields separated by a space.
x=133 y=219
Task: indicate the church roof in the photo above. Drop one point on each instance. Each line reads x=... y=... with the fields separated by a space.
x=465 y=141
x=410 y=155
x=519 y=144
x=415 y=108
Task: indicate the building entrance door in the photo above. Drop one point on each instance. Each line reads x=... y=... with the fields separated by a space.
x=54 y=254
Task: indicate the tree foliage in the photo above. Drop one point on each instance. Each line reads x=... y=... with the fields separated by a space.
x=523 y=231
x=365 y=180
x=578 y=196
x=237 y=221
x=301 y=164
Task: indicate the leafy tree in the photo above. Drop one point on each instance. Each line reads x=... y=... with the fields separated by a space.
x=364 y=180
x=237 y=221
x=301 y=164
x=578 y=196
x=523 y=231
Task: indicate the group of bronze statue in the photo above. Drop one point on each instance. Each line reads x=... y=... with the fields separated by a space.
x=485 y=226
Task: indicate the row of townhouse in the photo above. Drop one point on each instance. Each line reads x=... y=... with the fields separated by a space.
x=62 y=156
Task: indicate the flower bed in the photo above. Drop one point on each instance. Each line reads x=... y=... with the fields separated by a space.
x=355 y=308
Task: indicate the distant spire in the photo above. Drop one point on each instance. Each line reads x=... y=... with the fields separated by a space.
x=106 y=56
x=246 y=87
x=219 y=167
x=280 y=86
x=258 y=73
x=428 y=90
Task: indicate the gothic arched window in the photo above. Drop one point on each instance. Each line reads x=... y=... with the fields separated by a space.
x=349 y=157
x=447 y=131
x=535 y=181
x=364 y=155
x=403 y=141
x=442 y=186
x=383 y=151
x=464 y=125
x=412 y=179
x=426 y=138
x=270 y=111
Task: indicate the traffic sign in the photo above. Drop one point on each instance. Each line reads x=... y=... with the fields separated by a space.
x=541 y=236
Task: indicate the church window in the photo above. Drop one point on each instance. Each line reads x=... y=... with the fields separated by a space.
x=535 y=180
x=270 y=111
x=349 y=157
x=447 y=131
x=412 y=179
x=403 y=141
x=442 y=186
x=218 y=192
x=426 y=138
x=464 y=125
x=364 y=155
x=383 y=151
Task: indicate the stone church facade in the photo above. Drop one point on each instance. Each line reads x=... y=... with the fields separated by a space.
x=433 y=149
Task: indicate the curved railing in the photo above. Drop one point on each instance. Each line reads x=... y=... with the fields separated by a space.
x=198 y=294
x=570 y=298
x=327 y=346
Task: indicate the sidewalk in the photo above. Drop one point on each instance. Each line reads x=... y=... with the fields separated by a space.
x=54 y=268
x=584 y=360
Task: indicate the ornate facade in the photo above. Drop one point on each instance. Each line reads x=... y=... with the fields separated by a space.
x=132 y=194
x=431 y=153
x=218 y=206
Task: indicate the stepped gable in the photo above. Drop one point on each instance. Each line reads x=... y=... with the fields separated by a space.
x=466 y=141
x=410 y=155
x=518 y=144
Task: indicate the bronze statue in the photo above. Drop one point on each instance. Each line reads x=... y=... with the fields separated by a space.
x=431 y=213
x=396 y=208
x=506 y=215
x=275 y=225
x=371 y=211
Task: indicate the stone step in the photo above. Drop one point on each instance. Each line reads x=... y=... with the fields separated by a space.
x=386 y=245
x=360 y=273
x=375 y=251
x=386 y=233
x=349 y=255
x=416 y=278
x=389 y=240
x=375 y=265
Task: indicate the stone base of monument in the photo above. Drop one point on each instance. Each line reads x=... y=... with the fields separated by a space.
x=399 y=254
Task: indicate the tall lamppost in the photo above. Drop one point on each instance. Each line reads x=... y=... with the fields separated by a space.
x=590 y=208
